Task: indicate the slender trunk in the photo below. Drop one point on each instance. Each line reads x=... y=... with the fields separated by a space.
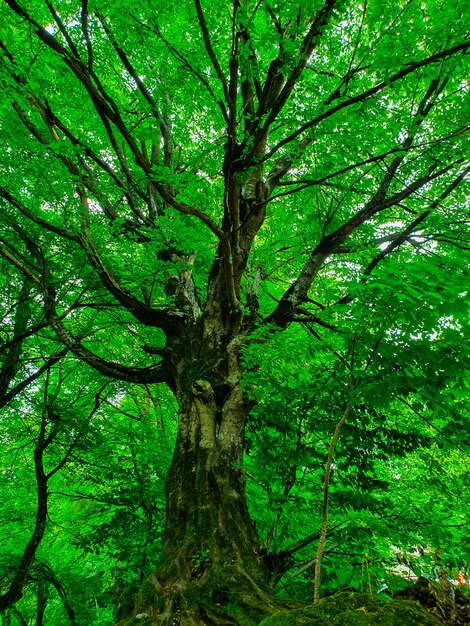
x=326 y=491
x=41 y=602
x=15 y=590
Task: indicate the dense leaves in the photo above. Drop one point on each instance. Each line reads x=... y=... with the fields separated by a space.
x=234 y=248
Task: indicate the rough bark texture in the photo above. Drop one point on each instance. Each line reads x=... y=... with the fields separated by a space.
x=211 y=564
x=210 y=568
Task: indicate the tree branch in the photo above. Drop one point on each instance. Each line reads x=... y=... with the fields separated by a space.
x=210 y=50
x=164 y=319
x=178 y=56
x=297 y=292
x=86 y=33
x=273 y=108
x=36 y=219
x=109 y=114
x=412 y=67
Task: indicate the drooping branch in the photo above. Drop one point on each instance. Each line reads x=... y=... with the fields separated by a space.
x=164 y=319
x=153 y=374
x=141 y=311
x=53 y=228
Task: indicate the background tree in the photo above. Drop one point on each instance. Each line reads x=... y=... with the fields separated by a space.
x=181 y=183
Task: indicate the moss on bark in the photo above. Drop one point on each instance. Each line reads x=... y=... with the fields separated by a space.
x=196 y=604
x=355 y=609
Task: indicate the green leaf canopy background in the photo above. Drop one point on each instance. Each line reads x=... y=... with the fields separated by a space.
x=222 y=225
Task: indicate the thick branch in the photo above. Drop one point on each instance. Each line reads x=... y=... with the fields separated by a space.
x=399 y=239
x=86 y=33
x=297 y=292
x=309 y=43
x=44 y=572
x=166 y=320
x=153 y=374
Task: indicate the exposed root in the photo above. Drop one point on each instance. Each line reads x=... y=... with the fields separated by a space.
x=229 y=598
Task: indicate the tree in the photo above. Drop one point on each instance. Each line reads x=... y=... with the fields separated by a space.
x=180 y=183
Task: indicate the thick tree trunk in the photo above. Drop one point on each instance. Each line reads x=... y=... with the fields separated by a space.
x=211 y=571
x=206 y=508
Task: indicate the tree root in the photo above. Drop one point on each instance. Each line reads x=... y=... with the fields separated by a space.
x=233 y=600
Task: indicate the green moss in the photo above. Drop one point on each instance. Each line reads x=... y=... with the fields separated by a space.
x=355 y=609
x=463 y=593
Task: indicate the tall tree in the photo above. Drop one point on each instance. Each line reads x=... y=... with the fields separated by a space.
x=178 y=182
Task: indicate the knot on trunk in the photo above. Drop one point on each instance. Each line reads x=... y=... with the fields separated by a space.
x=202 y=390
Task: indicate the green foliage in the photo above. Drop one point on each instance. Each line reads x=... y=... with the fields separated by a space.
x=105 y=504
x=401 y=450
x=160 y=172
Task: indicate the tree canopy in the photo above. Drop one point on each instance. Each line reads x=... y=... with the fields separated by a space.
x=234 y=296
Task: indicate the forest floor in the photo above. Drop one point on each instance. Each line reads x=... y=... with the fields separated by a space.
x=416 y=605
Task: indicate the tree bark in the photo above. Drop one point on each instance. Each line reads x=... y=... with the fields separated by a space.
x=210 y=546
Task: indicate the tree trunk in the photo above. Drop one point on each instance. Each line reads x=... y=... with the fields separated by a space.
x=210 y=571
